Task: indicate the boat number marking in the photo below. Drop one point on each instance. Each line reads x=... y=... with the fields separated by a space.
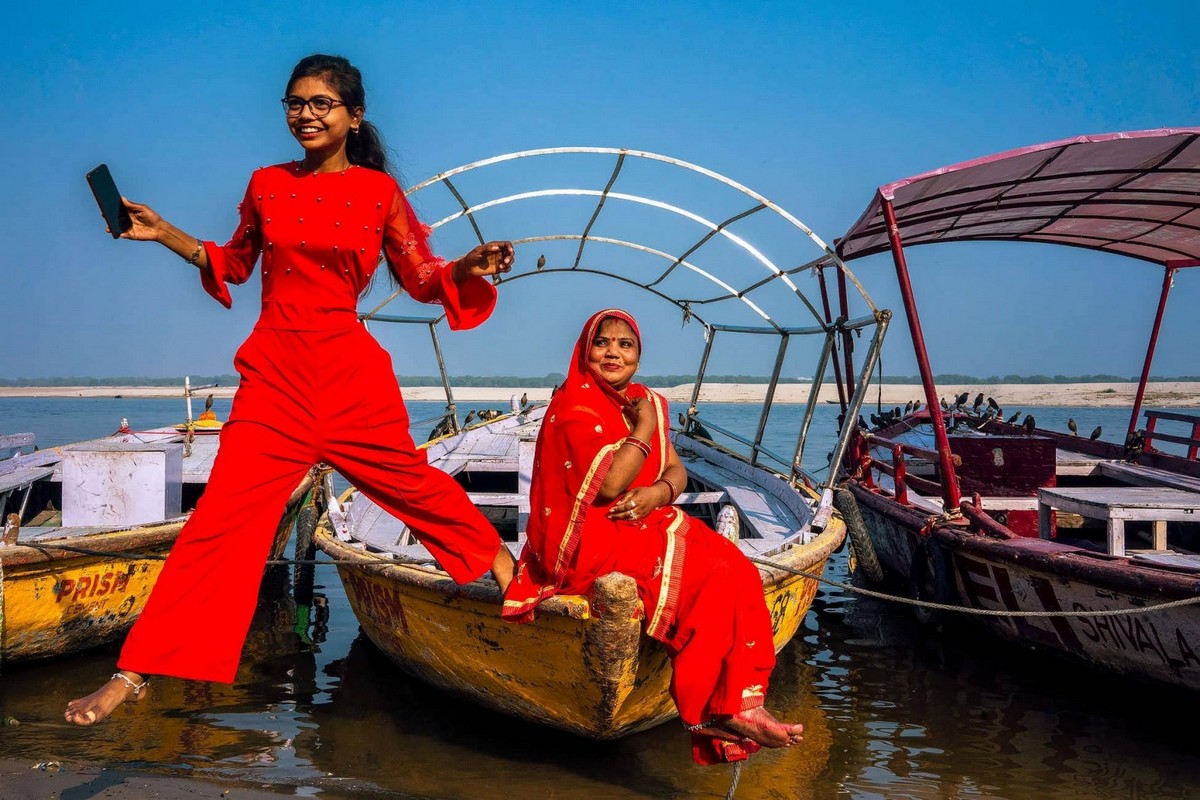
x=989 y=585
x=86 y=587
x=380 y=603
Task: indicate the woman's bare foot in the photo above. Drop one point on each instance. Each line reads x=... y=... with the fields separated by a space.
x=97 y=706
x=503 y=566
x=758 y=725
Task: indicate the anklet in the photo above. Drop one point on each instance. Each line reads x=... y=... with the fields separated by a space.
x=137 y=687
x=699 y=726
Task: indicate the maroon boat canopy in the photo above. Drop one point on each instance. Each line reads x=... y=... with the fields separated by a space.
x=1135 y=193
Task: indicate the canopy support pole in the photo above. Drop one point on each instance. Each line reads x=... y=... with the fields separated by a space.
x=950 y=492
x=451 y=410
x=1168 y=282
x=847 y=335
x=837 y=367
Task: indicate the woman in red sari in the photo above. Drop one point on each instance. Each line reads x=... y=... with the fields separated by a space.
x=605 y=475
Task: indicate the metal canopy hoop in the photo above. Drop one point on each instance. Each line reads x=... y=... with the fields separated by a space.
x=701 y=293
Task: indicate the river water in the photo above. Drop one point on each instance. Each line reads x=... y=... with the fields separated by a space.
x=891 y=709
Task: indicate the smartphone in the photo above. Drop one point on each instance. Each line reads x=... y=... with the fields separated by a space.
x=109 y=200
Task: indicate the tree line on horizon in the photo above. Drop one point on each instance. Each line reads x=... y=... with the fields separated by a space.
x=555 y=378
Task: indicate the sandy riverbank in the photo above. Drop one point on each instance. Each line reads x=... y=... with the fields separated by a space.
x=1171 y=393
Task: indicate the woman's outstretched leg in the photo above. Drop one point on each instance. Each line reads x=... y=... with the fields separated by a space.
x=197 y=616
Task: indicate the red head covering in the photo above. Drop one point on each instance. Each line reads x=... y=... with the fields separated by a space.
x=581 y=432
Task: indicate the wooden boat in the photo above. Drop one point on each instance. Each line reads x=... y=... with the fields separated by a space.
x=584 y=665
x=960 y=507
x=87 y=527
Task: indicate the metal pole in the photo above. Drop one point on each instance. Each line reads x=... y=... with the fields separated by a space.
x=766 y=412
x=847 y=336
x=711 y=336
x=850 y=425
x=437 y=349
x=1168 y=282
x=837 y=367
x=811 y=408
x=950 y=493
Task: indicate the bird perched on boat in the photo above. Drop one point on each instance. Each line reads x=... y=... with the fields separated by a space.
x=1072 y=427
x=470 y=416
x=1013 y=419
x=908 y=408
x=1029 y=423
x=541 y=264
x=524 y=399
x=441 y=429
x=1096 y=433
x=978 y=402
x=1135 y=443
x=208 y=414
x=945 y=405
x=961 y=400
x=876 y=420
x=994 y=406
x=862 y=423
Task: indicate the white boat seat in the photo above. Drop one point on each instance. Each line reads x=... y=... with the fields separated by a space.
x=1139 y=475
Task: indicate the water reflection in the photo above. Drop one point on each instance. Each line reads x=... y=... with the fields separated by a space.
x=892 y=711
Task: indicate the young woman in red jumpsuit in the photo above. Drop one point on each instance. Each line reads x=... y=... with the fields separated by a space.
x=315 y=386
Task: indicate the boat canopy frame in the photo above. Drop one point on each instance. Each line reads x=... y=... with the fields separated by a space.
x=702 y=306
x=1135 y=193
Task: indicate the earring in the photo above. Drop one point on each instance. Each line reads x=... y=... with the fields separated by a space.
x=354 y=130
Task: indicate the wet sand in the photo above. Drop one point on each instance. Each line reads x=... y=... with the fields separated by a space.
x=1175 y=394
x=23 y=780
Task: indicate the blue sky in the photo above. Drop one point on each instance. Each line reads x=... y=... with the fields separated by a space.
x=812 y=105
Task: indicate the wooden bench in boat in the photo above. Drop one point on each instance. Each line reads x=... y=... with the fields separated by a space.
x=1069 y=462
x=1139 y=475
x=1116 y=505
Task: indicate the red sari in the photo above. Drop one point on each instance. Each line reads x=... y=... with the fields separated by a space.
x=702 y=597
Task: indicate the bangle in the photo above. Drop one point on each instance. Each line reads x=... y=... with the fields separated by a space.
x=639 y=444
x=672 y=486
x=194 y=258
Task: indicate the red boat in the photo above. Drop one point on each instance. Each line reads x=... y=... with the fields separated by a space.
x=963 y=508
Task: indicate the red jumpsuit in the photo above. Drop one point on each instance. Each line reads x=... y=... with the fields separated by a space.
x=315 y=386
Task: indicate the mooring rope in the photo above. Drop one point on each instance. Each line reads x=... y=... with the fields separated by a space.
x=983 y=612
x=765 y=562
x=737 y=776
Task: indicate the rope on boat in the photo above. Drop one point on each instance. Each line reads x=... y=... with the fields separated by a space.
x=766 y=562
x=983 y=612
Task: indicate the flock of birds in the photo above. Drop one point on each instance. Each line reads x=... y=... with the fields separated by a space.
x=985 y=409
x=519 y=405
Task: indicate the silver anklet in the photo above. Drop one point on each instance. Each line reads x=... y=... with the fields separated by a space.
x=699 y=726
x=137 y=687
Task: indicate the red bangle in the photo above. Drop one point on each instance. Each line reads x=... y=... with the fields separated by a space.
x=673 y=487
x=639 y=444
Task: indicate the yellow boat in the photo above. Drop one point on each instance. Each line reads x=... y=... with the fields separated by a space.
x=87 y=527
x=584 y=665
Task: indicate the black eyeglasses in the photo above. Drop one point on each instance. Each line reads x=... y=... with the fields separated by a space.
x=320 y=105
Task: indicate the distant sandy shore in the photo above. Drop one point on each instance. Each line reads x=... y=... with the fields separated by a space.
x=1014 y=395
